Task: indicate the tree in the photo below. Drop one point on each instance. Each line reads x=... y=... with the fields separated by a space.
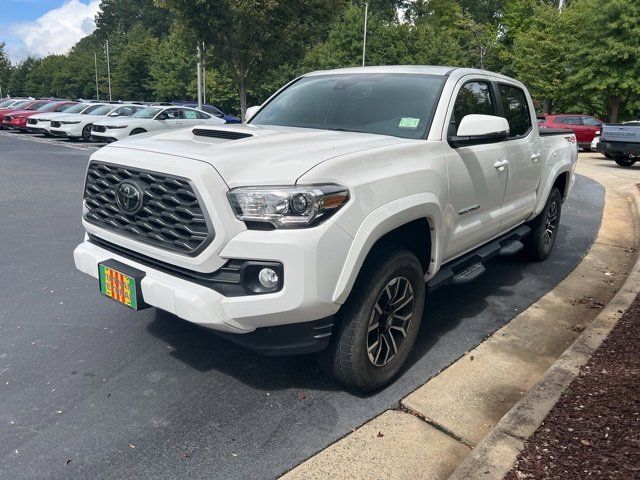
x=132 y=78
x=123 y=15
x=172 y=69
x=248 y=38
x=5 y=69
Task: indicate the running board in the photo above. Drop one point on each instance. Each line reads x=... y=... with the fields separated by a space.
x=471 y=266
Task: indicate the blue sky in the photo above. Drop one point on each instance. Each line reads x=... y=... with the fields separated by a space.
x=39 y=27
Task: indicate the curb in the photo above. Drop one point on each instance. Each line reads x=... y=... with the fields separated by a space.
x=495 y=455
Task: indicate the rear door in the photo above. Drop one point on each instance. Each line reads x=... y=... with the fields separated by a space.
x=174 y=118
x=477 y=181
x=524 y=149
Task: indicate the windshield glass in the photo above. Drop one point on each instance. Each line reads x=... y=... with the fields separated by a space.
x=35 y=105
x=387 y=104
x=91 y=109
x=148 y=112
x=77 y=108
x=101 y=110
x=46 y=106
x=21 y=104
x=6 y=103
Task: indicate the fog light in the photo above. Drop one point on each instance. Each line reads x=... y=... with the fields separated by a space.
x=268 y=278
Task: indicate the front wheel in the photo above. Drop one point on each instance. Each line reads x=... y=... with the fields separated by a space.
x=86 y=133
x=625 y=161
x=544 y=228
x=377 y=326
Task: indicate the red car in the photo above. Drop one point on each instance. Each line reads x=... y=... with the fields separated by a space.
x=584 y=126
x=17 y=119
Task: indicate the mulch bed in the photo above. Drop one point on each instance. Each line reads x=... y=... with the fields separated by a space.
x=594 y=429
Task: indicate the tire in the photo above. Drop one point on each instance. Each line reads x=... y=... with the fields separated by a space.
x=625 y=161
x=608 y=155
x=544 y=228
x=136 y=131
x=391 y=275
x=86 y=133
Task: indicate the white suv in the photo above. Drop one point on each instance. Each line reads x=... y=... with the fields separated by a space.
x=321 y=224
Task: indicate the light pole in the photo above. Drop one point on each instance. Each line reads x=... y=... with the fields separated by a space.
x=108 y=69
x=199 y=75
x=560 y=5
x=95 y=62
x=204 y=75
x=364 y=39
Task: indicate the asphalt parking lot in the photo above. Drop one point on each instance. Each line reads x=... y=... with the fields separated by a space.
x=90 y=389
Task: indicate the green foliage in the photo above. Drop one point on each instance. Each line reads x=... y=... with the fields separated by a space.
x=584 y=59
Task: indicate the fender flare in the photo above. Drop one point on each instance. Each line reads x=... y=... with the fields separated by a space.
x=381 y=221
x=556 y=170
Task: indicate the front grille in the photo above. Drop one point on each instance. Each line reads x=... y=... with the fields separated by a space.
x=226 y=134
x=55 y=124
x=99 y=128
x=170 y=216
x=32 y=121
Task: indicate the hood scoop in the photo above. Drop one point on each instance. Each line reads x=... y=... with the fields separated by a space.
x=225 y=134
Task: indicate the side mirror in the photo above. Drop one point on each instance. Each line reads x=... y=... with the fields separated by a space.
x=251 y=111
x=478 y=129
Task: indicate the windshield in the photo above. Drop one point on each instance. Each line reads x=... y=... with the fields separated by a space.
x=91 y=109
x=35 y=105
x=148 y=112
x=77 y=108
x=21 y=104
x=387 y=104
x=47 y=106
x=101 y=110
x=6 y=103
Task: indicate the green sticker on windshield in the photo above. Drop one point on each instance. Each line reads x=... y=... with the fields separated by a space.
x=408 y=122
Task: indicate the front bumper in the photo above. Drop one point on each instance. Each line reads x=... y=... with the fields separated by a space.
x=312 y=262
x=622 y=148
x=66 y=131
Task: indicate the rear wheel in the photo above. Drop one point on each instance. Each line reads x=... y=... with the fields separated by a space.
x=378 y=325
x=544 y=228
x=136 y=131
x=86 y=133
x=625 y=161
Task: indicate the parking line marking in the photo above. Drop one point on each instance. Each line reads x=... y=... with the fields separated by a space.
x=49 y=141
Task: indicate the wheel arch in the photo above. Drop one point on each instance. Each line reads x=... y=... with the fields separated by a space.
x=412 y=222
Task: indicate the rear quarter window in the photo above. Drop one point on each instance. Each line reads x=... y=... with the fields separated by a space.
x=516 y=110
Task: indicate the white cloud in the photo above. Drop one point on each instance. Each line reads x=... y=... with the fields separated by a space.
x=54 y=32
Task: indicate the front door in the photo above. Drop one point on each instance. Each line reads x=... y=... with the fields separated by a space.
x=477 y=176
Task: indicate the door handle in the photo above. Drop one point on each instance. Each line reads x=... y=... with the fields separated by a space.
x=535 y=157
x=501 y=164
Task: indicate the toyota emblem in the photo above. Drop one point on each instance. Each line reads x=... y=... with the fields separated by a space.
x=129 y=197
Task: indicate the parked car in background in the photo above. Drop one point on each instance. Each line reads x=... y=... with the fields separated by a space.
x=17 y=119
x=151 y=119
x=315 y=226
x=8 y=102
x=29 y=104
x=621 y=142
x=79 y=126
x=585 y=127
x=211 y=109
x=41 y=122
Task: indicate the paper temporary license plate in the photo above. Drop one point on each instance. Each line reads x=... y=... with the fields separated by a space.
x=121 y=283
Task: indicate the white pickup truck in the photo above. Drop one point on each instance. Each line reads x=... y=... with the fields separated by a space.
x=321 y=224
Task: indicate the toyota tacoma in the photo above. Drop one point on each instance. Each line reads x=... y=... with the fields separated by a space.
x=321 y=224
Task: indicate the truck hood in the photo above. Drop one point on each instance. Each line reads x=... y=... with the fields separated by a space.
x=270 y=155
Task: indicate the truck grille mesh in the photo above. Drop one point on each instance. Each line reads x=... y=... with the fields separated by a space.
x=170 y=217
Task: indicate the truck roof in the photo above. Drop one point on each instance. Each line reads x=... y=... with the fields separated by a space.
x=456 y=72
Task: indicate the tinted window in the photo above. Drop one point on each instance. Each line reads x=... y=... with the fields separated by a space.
x=569 y=120
x=592 y=122
x=516 y=110
x=36 y=105
x=6 y=103
x=473 y=98
x=64 y=107
x=148 y=112
x=212 y=110
x=387 y=104
x=174 y=113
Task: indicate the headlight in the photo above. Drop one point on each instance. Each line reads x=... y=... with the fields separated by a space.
x=287 y=207
x=70 y=123
x=115 y=126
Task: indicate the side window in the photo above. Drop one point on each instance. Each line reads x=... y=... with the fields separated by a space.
x=473 y=98
x=191 y=114
x=174 y=114
x=592 y=122
x=569 y=120
x=203 y=115
x=516 y=110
